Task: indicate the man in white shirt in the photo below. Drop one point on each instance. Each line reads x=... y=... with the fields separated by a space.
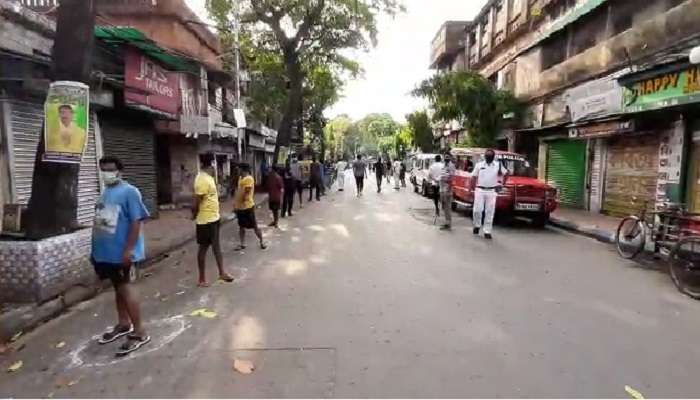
x=448 y=171
x=487 y=187
x=434 y=174
x=340 y=168
x=397 y=170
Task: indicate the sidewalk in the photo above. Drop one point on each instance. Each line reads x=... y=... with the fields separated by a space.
x=174 y=228
x=597 y=226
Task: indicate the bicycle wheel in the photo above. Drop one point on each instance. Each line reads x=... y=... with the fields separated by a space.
x=630 y=237
x=684 y=265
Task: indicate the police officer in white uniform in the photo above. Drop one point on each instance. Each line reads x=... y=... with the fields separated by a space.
x=487 y=187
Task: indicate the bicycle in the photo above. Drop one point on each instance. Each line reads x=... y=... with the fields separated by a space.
x=676 y=236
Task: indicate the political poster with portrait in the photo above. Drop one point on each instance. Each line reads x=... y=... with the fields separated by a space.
x=66 y=123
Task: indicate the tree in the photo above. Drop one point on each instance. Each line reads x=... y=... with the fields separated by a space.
x=53 y=204
x=403 y=141
x=335 y=132
x=471 y=100
x=301 y=30
x=421 y=131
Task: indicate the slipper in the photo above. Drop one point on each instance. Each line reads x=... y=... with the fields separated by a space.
x=203 y=284
x=226 y=278
x=240 y=247
x=263 y=245
x=115 y=333
x=133 y=343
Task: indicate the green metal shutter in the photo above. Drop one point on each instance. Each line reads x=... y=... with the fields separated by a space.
x=566 y=160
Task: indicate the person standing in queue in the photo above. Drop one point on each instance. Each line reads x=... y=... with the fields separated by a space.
x=275 y=187
x=434 y=174
x=340 y=168
x=487 y=173
x=295 y=170
x=117 y=243
x=359 y=169
x=315 y=179
x=205 y=212
x=402 y=174
x=448 y=172
x=244 y=204
x=396 y=172
x=379 y=173
x=290 y=188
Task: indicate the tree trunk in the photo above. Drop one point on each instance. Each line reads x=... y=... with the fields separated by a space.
x=53 y=205
x=292 y=112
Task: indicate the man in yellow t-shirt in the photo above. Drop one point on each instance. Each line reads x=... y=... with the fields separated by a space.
x=244 y=204
x=205 y=212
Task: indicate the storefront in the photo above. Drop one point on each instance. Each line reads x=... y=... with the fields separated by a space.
x=566 y=170
x=129 y=136
x=664 y=101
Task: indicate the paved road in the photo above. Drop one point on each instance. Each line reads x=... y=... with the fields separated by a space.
x=366 y=298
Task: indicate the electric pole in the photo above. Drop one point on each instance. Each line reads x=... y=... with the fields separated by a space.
x=53 y=205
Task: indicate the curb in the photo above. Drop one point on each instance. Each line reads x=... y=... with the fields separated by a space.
x=598 y=234
x=27 y=317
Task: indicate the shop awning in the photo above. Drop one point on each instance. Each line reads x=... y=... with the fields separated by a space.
x=117 y=36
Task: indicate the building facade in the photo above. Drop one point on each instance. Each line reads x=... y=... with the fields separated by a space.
x=610 y=95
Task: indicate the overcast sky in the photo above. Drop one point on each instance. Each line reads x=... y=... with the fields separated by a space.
x=400 y=59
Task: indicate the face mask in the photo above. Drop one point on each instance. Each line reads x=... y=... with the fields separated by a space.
x=489 y=158
x=110 y=177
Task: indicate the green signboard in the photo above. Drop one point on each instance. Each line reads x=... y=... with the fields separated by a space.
x=664 y=90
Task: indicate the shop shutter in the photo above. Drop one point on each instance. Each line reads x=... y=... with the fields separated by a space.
x=631 y=174
x=566 y=170
x=25 y=124
x=135 y=147
x=596 y=176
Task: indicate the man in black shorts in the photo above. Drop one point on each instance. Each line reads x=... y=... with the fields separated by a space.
x=117 y=243
x=244 y=204
x=205 y=212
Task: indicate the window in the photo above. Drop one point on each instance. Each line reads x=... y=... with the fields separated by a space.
x=554 y=51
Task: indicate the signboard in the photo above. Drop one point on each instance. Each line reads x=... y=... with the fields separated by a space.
x=670 y=162
x=149 y=86
x=66 y=123
x=601 y=129
x=664 y=90
x=594 y=99
x=194 y=111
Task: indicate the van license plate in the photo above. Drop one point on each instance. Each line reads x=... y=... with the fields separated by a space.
x=527 y=207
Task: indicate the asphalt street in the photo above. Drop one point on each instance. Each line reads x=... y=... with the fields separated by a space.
x=365 y=297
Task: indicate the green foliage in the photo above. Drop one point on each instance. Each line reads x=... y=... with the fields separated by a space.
x=470 y=99
x=421 y=131
x=304 y=35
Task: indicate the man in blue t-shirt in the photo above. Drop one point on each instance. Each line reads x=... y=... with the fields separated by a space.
x=117 y=243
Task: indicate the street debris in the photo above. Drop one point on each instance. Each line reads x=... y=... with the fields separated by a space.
x=60 y=345
x=16 y=336
x=181 y=292
x=203 y=312
x=635 y=394
x=244 y=367
x=15 y=367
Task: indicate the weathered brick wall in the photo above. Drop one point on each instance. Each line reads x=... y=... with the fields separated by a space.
x=38 y=271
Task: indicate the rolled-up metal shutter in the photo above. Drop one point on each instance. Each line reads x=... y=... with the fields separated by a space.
x=26 y=121
x=631 y=174
x=135 y=147
x=566 y=170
